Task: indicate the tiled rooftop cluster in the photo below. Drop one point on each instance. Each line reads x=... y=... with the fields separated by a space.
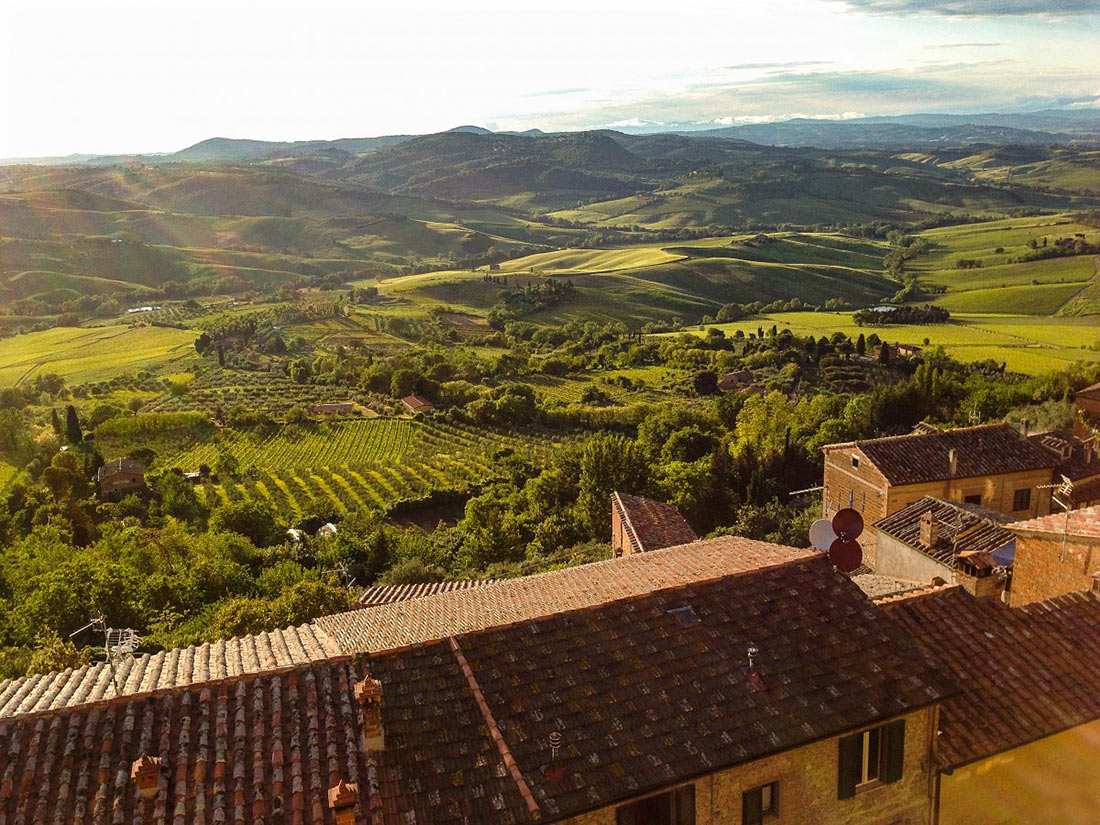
x=962 y=529
x=1023 y=673
x=389 y=593
x=651 y=525
x=515 y=600
x=925 y=455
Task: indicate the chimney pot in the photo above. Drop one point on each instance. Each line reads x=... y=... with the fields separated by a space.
x=368 y=693
x=145 y=773
x=341 y=799
x=929 y=529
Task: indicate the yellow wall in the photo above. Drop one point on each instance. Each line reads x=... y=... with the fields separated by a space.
x=808 y=788
x=1055 y=781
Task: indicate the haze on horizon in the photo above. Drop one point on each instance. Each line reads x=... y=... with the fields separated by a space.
x=122 y=76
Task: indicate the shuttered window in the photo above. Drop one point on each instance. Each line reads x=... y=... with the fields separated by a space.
x=760 y=804
x=870 y=757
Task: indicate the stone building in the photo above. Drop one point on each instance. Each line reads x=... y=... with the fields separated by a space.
x=993 y=466
x=949 y=541
x=1056 y=554
x=639 y=525
x=118 y=477
x=1078 y=463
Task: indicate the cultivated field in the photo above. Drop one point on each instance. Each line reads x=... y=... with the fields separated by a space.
x=93 y=354
x=1025 y=343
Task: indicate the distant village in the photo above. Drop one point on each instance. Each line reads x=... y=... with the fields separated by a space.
x=951 y=676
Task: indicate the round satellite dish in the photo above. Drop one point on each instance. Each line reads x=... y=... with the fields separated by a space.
x=846 y=556
x=848 y=523
x=822 y=534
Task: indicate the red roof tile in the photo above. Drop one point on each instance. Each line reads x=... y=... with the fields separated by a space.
x=1080 y=524
x=923 y=456
x=651 y=525
x=250 y=750
x=961 y=528
x=167 y=670
x=1023 y=673
x=1089 y=392
x=389 y=593
x=513 y=600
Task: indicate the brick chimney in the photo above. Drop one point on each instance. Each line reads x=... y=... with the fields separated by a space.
x=145 y=773
x=368 y=693
x=952 y=462
x=341 y=799
x=929 y=529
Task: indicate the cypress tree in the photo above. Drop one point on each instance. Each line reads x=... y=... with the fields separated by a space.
x=72 y=426
x=55 y=422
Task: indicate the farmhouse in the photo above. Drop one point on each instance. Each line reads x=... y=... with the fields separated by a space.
x=639 y=525
x=417 y=404
x=993 y=466
x=549 y=719
x=1018 y=738
x=946 y=540
x=1056 y=554
x=735 y=380
x=120 y=476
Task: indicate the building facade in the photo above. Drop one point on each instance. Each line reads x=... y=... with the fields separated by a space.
x=1056 y=554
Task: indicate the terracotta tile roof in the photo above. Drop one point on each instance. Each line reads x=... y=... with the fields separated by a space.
x=1081 y=524
x=119 y=465
x=924 y=456
x=640 y=698
x=168 y=670
x=1077 y=460
x=260 y=749
x=962 y=529
x=1089 y=392
x=880 y=587
x=512 y=600
x=417 y=403
x=389 y=593
x=1023 y=673
x=651 y=525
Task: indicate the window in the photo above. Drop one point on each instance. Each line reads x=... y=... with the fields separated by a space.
x=760 y=804
x=870 y=758
x=676 y=807
x=855 y=461
x=1021 y=499
x=974 y=499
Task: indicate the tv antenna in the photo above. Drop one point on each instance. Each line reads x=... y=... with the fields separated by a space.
x=117 y=644
x=1062 y=495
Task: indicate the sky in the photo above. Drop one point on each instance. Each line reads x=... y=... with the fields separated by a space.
x=121 y=76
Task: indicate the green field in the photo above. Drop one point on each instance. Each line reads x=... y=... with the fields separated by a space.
x=94 y=354
x=999 y=285
x=1026 y=344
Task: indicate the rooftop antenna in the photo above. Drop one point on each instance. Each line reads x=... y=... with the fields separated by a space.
x=1062 y=495
x=117 y=643
x=975 y=416
x=345 y=576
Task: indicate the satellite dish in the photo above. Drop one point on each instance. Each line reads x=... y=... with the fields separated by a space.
x=822 y=534
x=846 y=556
x=848 y=523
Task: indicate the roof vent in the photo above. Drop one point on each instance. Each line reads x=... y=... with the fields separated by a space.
x=686 y=615
x=145 y=772
x=752 y=674
x=553 y=771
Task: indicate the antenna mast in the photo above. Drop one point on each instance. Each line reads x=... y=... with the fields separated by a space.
x=117 y=643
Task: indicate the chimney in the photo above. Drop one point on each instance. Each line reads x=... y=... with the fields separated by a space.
x=929 y=529
x=341 y=799
x=952 y=462
x=368 y=693
x=145 y=773
x=1025 y=426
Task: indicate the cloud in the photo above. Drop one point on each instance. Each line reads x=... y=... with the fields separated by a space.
x=977 y=8
x=792 y=64
x=962 y=45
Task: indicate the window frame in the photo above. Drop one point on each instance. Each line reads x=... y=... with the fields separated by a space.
x=1025 y=494
x=856 y=763
x=967 y=499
